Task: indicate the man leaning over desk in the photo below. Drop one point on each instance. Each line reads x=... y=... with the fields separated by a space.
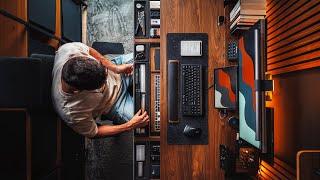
x=87 y=85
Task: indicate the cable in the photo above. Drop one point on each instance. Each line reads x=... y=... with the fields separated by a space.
x=29 y=25
x=223 y=114
x=211 y=86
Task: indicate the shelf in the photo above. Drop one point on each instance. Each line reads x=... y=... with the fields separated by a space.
x=150 y=138
x=150 y=40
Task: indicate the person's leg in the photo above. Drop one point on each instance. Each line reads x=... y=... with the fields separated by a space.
x=125 y=102
x=126 y=109
x=123 y=110
x=123 y=59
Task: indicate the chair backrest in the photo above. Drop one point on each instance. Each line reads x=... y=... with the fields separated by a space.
x=19 y=80
x=45 y=79
x=26 y=82
x=108 y=48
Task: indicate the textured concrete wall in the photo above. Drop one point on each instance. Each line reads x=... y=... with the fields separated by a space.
x=110 y=158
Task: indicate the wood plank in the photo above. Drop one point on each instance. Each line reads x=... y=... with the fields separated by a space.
x=154 y=40
x=301 y=15
x=150 y=138
x=295 y=28
x=13 y=36
x=299 y=9
x=298 y=67
x=274 y=171
x=53 y=42
x=278 y=7
x=269 y=173
x=278 y=42
x=296 y=52
x=152 y=59
x=296 y=60
x=284 y=10
x=285 y=165
x=271 y=3
x=281 y=9
x=264 y=175
x=284 y=171
x=196 y=161
x=298 y=43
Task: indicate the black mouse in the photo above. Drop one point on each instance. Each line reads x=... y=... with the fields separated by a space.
x=191 y=131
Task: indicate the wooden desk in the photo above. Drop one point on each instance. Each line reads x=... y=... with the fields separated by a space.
x=196 y=161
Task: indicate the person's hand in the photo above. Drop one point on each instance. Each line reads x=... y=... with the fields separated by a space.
x=124 y=69
x=139 y=120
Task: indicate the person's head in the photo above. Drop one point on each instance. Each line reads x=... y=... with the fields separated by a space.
x=84 y=73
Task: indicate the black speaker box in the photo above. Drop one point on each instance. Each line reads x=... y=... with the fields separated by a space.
x=43 y=13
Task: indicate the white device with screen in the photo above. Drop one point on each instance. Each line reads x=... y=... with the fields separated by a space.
x=191 y=48
x=139 y=48
x=154 y=4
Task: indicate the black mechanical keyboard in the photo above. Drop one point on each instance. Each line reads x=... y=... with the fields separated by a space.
x=157 y=103
x=191 y=89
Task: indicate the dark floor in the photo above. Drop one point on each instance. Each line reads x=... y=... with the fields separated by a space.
x=110 y=158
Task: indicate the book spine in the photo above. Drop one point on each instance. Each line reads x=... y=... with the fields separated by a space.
x=237 y=12
x=251 y=17
x=235 y=8
x=252 y=12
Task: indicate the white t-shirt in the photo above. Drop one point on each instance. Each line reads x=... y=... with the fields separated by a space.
x=79 y=109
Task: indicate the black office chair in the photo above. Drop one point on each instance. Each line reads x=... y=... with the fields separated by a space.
x=20 y=79
x=26 y=84
x=46 y=67
x=105 y=48
x=108 y=48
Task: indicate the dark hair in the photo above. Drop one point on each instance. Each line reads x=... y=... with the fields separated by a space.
x=84 y=73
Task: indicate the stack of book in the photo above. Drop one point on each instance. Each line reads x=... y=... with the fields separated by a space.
x=246 y=13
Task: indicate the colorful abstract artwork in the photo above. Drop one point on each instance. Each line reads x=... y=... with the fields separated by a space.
x=225 y=83
x=247 y=96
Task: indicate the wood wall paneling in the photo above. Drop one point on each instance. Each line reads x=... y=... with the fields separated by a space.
x=53 y=42
x=13 y=36
x=293 y=48
x=296 y=101
x=194 y=161
x=277 y=170
x=296 y=126
x=293 y=35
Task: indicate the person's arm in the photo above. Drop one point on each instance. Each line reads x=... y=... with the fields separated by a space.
x=123 y=68
x=106 y=62
x=138 y=120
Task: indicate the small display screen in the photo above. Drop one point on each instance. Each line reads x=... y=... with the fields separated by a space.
x=225 y=87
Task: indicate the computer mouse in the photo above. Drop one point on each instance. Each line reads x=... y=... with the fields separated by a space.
x=233 y=122
x=190 y=131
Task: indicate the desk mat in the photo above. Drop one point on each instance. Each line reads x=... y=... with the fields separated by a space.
x=175 y=130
